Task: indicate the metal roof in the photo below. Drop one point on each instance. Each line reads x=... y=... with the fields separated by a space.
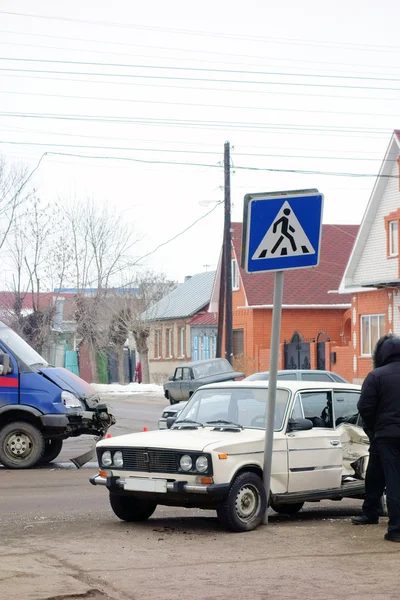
x=186 y=300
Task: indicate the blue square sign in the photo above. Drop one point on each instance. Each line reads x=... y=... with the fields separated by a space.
x=281 y=230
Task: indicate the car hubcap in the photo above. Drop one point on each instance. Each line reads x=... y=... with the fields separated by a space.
x=18 y=445
x=247 y=503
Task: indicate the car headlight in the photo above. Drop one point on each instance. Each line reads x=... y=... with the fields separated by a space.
x=118 y=459
x=106 y=458
x=202 y=464
x=70 y=400
x=186 y=462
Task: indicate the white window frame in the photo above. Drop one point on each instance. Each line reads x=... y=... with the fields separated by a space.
x=157 y=343
x=182 y=336
x=393 y=239
x=235 y=275
x=380 y=333
x=168 y=343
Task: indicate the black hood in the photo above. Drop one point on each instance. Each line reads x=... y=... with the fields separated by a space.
x=386 y=350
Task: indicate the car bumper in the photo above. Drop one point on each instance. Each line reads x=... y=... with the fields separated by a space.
x=76 y=423
x=177 y=487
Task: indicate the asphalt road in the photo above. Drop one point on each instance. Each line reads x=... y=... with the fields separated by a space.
x=60 y=540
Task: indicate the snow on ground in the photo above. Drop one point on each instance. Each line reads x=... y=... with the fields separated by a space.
x=128 y=389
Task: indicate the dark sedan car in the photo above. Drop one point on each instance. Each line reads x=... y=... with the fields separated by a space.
x=190 y=376
x=300 y=374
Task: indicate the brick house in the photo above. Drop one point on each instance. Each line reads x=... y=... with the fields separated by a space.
x=181 y=326
x=314 y=316
x=372 y=275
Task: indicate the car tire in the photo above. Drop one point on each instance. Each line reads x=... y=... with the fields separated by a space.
x=244 y=507
x=52 y=449
x=132 y=509
x=287 y=509
x=21 y=445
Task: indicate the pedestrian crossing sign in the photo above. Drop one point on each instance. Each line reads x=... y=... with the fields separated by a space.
x=281 y=230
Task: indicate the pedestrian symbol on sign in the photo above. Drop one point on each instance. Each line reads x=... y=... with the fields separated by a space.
x=285 y=237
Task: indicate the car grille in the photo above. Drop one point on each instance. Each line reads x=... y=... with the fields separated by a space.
x=155 y=461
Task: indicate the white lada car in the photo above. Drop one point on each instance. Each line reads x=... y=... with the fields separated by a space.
x=211 y=456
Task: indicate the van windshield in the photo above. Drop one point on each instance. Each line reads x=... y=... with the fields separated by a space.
x=21 y=349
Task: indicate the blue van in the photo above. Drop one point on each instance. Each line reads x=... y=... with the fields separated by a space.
x=40 y=405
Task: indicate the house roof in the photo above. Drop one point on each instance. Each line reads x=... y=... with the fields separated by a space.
x=304 y=287
x=348 y=282
x=186 y=300
x=204 y=318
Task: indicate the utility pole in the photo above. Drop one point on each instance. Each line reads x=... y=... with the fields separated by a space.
x=228 y=255
x=221 y=304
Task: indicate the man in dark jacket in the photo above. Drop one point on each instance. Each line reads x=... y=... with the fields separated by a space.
x=379 y=407
x=373 y=506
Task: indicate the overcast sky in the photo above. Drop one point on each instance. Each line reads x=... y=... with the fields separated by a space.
x=304 y=86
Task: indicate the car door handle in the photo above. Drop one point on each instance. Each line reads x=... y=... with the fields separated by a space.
x=334 y=442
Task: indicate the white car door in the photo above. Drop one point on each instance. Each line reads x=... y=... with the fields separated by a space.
x=315 y=459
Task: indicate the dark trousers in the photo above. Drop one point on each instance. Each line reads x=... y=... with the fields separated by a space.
x=374 y=484
x=390 y=455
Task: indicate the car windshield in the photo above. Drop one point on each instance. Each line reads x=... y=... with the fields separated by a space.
x=21 y=349
x=243 y=406
x=213 y=367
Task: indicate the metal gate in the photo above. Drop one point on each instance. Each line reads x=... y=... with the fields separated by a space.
x=297 y=355
x=321 y=356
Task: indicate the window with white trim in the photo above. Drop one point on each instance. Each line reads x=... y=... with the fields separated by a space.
x=168 y=343
x=372 y=328
x=393 y=238
x=235 y=275
x=181 y=342
x=157 y=343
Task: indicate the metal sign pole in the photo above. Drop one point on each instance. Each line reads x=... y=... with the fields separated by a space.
x=272 y=380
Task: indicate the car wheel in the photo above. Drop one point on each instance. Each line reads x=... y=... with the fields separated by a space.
x=21 y=445
x=244 y=507
x=52 y=449
x=287 y=509
x=131 y=509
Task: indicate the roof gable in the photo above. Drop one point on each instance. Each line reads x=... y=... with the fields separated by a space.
x=186 y=300
x=365 y=264
x=304 y=286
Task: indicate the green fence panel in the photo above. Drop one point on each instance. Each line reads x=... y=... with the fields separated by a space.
x=71 y=361
x=102 y=365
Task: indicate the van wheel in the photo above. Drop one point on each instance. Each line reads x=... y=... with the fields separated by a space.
x=287 y=509
x=244 y=507
x=52 y=449
x=131 y=509
x=21 y=445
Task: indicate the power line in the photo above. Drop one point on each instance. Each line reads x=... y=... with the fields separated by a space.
x=194 y=51
x=164 y=102
x=244 y=168
x=203 y=79
x=196 y=69
x=187 y=151
x=193 y=123
x=208 y=89
x=291 y=41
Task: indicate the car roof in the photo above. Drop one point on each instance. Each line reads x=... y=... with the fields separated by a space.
x=196 y=363
x=295 y=371
x=293 y=386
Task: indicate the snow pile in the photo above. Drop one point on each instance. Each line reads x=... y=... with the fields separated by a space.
x=128 y=389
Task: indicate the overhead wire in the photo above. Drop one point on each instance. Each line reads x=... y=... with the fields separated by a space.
x=264 y=39
x=196 y=69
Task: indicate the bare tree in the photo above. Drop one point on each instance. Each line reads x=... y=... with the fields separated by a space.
x=151 y=288
x=13 y=192
x=101 y=247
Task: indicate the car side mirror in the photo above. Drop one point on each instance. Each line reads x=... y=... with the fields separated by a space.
x=171 y=378
x=5 y=364
x=299 y=425
x=170 y=422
